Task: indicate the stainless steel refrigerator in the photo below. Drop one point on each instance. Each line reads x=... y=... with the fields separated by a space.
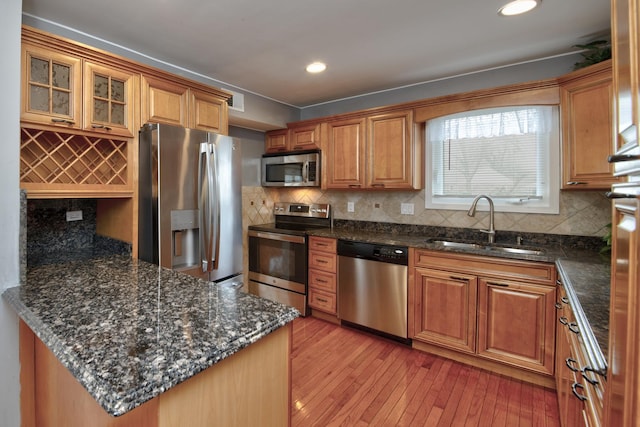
x=190 y=212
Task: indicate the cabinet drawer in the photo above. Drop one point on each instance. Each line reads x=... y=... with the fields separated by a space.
x=323 y=244
x=322 y=281
x=322 y=301
x=322 y=261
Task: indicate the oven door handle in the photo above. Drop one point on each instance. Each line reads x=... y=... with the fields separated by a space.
x=276 y=236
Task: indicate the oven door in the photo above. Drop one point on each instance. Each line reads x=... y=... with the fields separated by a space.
x=278 y=267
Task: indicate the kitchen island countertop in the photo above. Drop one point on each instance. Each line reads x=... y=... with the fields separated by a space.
x=129 y=330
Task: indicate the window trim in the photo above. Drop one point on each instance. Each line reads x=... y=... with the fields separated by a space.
x=551 y=198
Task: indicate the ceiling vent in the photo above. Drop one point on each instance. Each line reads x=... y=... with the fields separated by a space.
x=237 y=101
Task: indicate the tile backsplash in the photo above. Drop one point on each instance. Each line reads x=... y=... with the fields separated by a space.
x=585 y=213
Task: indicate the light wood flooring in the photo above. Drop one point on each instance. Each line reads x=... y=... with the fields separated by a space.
x=344 y=377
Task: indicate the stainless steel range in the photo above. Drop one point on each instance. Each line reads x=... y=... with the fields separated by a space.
x=278 y=253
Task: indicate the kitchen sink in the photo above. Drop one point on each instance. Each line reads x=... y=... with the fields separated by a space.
x=478 y=246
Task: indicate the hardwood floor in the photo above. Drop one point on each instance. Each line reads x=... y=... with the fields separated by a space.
x=344 y=377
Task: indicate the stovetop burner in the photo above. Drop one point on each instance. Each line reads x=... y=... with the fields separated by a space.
x=297 y=218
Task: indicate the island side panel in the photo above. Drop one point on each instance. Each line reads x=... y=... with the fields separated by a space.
x=250 y=388
x=27 y=376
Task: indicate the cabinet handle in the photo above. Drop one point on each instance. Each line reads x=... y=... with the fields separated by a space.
x=321 y=261
x=559 y=282
x=574 y=389
x=65 y=121
x=558 y=306
x=564 y=300
x=378 y=185
x=504 y=285
x=577 y=183
x=321 y=281
x=460 y=279
x=100 y=127
x=573 y=327
x=354 y=186
x=569 y=361
x=591 y=381
x=617 y=158
x=323 y=245
x=563 y=320
x=321 y=299
x=614 y=195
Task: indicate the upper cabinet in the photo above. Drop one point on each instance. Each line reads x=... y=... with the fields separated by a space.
x=208 y=112
x=587 y=128
x=52 y=87
x=297 y=137
x=374 y=152
x=58 y=88
x=110 y=97
x=164 y=101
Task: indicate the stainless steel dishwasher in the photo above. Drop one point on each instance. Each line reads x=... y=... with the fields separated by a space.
x=372 y=286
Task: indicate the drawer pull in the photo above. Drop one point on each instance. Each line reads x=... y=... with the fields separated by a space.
x=321 y=261
x=563 y=320
x=574 y=389
x=324 y=245
x=569 y=362
x=321 y=281
x=576 y=183
x=461 y=279
x=322 y=300
x=591 y=381
x=65 y=121
x=558 y=306
x=564 y=300
x=504 y=285
x=573 y=327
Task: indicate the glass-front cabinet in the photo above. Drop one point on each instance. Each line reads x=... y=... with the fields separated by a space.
x=52 y=87
x=109 y=99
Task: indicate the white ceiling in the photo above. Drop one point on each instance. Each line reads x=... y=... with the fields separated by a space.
x=263 y=46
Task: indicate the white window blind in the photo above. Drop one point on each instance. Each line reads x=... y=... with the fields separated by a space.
x=509 y=153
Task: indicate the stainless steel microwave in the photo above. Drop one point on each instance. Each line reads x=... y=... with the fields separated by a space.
x=301 y=169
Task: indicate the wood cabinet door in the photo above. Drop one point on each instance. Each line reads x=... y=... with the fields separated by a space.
x=445 y=308
x=516 y=323
x=305 y=137
x=587 y=131
x=390 y=151
x=208 y=112
x=51 y=87
x=164 y=102
x=345 y=154
x=110 y=99
x=624 y=328
x=625 y=44
x=276 y=141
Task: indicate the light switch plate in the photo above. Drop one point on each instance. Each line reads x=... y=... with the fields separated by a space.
x=350 y=207
x=74 y=216
x=406 y=208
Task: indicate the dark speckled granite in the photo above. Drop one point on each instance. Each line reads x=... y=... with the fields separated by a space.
x=129 y=330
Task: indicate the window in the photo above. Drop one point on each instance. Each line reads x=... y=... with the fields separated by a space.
x=511 y=154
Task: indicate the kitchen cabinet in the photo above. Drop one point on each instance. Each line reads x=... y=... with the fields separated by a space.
x=51 y=87
x=498 y=310
x=587 y=128
x=446 y=306
x=343 y=157
x=110 y=99
x=516 y=323
x=322 y=274
x=208 y=112
x=297 y=137
x=164 y=101
x=377 y=151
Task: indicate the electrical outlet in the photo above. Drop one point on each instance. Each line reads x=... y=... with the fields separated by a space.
x=406 y=208
x=350 y=207
x=74 y=216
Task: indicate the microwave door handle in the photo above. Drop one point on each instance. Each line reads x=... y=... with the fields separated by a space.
x=305 y=172
x=215 y=208
x=204 y=196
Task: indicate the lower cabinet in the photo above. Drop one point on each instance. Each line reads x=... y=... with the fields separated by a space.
x=322 y=274
x=493 y=309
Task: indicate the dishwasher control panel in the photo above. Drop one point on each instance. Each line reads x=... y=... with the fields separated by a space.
x=375 y=252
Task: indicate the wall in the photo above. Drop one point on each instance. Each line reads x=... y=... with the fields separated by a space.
x=10 y=11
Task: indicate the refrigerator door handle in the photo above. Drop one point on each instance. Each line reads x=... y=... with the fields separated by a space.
x=204 y=206
x=214 y=208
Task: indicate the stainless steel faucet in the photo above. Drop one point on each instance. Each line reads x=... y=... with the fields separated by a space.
x=472 y=212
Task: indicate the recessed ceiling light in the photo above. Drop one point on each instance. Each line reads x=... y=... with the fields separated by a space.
x=316 y=67
x=517 y=7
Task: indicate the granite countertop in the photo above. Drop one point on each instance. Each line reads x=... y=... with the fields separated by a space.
x=587 y=283
x=129 y=330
